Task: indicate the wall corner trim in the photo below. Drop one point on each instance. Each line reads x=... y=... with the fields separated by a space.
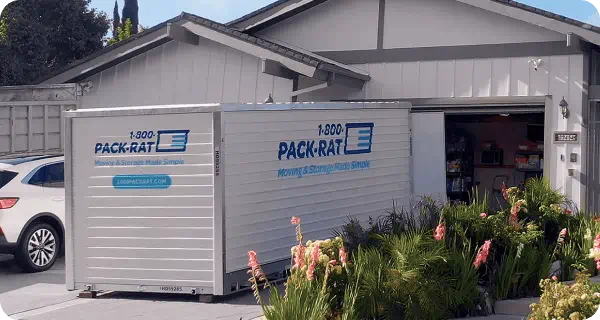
x=381 y=24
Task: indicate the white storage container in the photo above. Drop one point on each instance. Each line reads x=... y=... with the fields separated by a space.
x=171 y=198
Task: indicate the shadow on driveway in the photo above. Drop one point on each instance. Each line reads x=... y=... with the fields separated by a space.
x=12 y=278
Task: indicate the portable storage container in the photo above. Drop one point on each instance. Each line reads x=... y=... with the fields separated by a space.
x=172 y=198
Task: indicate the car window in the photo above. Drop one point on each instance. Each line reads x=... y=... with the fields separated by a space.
x=55 y=175
x=51 y=176
x=39 y=177
x=6 y=177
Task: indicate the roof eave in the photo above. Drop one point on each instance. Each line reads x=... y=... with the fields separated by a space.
x=54 y=77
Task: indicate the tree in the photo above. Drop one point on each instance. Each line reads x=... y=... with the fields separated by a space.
x=123 y=33
x=116 y=20
x=130 y=11
x=40 y=36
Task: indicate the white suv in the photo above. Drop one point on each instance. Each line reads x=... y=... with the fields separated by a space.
x=32 y=210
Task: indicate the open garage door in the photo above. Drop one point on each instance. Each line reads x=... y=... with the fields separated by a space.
x=428 y=155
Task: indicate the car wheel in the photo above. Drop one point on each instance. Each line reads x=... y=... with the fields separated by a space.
x=38 y=248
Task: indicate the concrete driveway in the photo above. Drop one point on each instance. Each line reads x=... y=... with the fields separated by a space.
x=43 y=296
x=11 y=277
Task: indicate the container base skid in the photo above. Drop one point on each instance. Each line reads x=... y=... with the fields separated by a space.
x=93 y=294
x=88 y=294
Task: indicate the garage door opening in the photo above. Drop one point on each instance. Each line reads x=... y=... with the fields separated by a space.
x=486 y=150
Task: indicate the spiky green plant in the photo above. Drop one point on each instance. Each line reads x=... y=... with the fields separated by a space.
x=506 y=276
x=583 y=230
x=539 y=192
x=353 y=233
x=304 y=300
x=415 y=276
x=460 y=267
x=532 y=266
x=373 y=297
x=349 y=307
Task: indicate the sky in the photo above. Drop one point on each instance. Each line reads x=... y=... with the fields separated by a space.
x=153 y=12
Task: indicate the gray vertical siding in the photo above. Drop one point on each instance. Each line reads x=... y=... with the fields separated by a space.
x=179 y=73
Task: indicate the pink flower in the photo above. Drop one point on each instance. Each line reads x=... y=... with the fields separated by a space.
x=504 y=191
x=563 y=233
x=253 y=264
x=568 y=212
x=483 y=215
x=343 y=256
x=299 y=257
x=597 y=248
x=440 y=232
x=514 y=212
x=554 y=278
x=482 y=254
x=310 y=272
x=332 y=262
x=295 y=221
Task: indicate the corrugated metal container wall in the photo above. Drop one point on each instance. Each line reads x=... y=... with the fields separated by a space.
x=130 y=236
x=260 y=200
x=30 y=118
x=180 y=73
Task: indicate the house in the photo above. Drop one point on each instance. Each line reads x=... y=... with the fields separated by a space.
x=500 y=91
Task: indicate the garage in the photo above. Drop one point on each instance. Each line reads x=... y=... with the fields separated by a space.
x=474 y=151
x=502 y=59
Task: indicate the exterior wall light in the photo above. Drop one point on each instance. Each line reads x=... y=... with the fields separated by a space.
x=564 y=108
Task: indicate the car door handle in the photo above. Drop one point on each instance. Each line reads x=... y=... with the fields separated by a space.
x=58 y=199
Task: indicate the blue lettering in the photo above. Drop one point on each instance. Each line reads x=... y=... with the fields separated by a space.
x=106 y=148
x=310 y=149
x=339 y=143
x=301 y=154
x=114 y=148
x=142 y=147
x=122 y=147
x=292 y=151
x=322 y=148
x=150 y=144
x=133 y=147
x=283 y=148
x=331 y=149
x=98 y=147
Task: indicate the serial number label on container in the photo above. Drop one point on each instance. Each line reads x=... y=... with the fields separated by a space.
x=171 y=288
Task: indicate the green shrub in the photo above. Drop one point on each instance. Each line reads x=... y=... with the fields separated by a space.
x=430 y=263
x=561 y=301
x=466 y=294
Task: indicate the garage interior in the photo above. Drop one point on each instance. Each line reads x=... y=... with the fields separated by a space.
x=485 y=150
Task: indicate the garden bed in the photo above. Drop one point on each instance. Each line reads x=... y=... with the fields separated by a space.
x=445 y=261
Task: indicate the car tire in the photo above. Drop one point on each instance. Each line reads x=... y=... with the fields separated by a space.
x=38 y=249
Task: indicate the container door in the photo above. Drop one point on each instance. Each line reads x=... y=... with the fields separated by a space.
x=143 y=203
x=428 y=155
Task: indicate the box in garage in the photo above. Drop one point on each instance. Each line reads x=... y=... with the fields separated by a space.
x=171 y=198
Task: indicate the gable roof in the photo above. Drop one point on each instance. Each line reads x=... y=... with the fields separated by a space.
x=283 y=10
x=160 y=34
x=299 y=55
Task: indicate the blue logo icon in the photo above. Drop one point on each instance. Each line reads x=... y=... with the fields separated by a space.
x=359 y=138
x=172 y=140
